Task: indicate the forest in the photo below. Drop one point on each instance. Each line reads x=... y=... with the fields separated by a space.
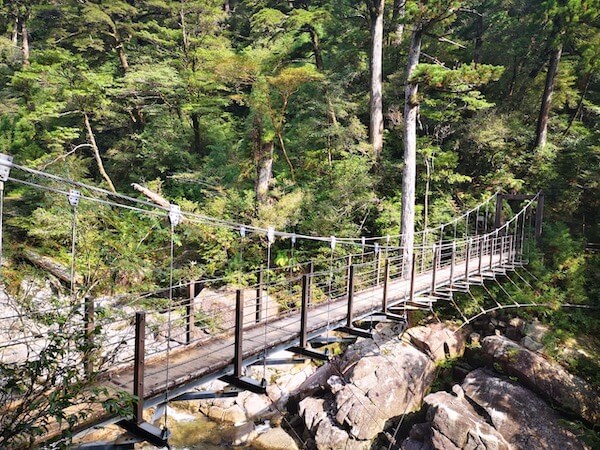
x=314 y=117
x=345 y=118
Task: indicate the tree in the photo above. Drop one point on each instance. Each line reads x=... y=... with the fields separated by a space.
x=376 y=8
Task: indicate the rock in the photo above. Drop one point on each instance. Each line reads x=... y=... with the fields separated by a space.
x=522 y=418
x=438 y=341
x=330 y=437
x=547 y=378
x=275 y=439
x=474 y=339
x=255 y=406
x=456 y=425
x=536 y=330
x=530 y=344
x=244 y=433
x=232 y=414
x=312 y=410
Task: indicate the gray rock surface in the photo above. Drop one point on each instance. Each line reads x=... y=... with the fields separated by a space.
x=275 y=439
x=491 y=414
x=545 y=377
x=373 y=382
x=521 y=417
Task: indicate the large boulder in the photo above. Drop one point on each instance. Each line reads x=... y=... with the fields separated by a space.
x=372 y=382
x=456 y=425
x=545 y=377
x=489 y=413
x=522 y=418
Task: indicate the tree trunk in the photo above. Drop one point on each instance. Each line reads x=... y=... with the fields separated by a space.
x=398 y=14
x=409 y=174
x=122 y=57
x=264 y=171
x=331 y=116
x=15 y=33
x=478 y=39
x=96 y=151
x=196 y=128
x=24 y=41
x=376 y=106
x=263 y=157
x=541 y=134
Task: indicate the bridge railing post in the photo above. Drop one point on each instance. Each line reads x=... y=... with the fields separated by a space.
x=452 y=263
x=492 y=245
x=89 y=325
x=349 y=319
x=539 y=215
x=239 y=334
x=482 y=241
x=501 y=250
x=190 y=313
x=467 y=258
x=386 y=280
x=348 y=265
x=412 y=277
x=434 y=268
x=304 y=310
x=378 y=267
x=259 y=296
x=311 y=271
x=138 y=366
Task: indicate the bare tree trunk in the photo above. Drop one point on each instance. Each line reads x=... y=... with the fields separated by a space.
x=15 y=33
x=263 y=157
x=409 y=174
x=96 y=151
x=24 y=41
x=541 y=134
x=264 y=172
x=227 y=7
x=376 y=106
x=398 y=14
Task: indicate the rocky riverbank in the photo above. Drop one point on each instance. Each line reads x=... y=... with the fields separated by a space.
x=376 y=395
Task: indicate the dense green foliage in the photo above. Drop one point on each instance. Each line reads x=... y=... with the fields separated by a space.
x=191 y=98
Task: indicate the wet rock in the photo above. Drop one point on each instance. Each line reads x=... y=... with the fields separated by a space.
x=545 y=377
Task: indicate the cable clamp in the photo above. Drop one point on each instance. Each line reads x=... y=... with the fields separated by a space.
x=174 y=214
x=74 y=196
x=271 y=234
x=333 y=241
x=6 y=163
x=243 y=231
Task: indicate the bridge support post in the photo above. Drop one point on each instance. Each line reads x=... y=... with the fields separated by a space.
x=502 y=239
x=386 y=280
x=239 y=334
x=88 y=320
x=434 y=268
x=350 y=295
x=304 y=310
x=259 y=294
x=467 y=258
x=412 y=277
x=311 y=271
x=492 y=244
x=482 y=241
x=138 y=366
x=190 y=312
x=452 y=263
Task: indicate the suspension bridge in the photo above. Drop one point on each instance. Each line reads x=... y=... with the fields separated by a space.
x=200 y=330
